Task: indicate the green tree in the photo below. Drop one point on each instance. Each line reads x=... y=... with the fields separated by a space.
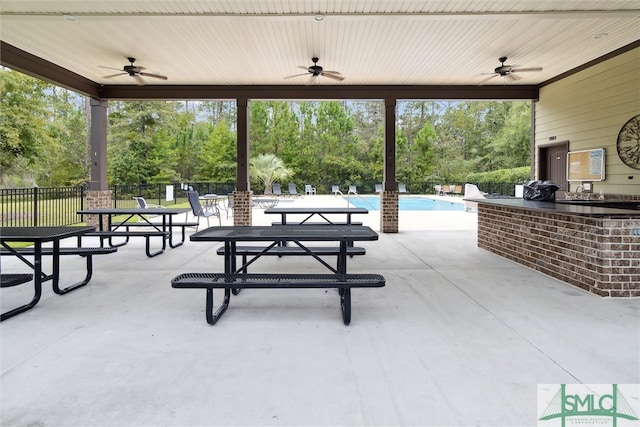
x=66 y=160
x=511 y=146
x=140 y=146
x=23 y=123
x=267 y=168
x=217 y=159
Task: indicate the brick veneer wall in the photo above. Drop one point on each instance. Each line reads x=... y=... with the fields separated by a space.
x=389 y=212
x=96 y=199
x=600 y=255
x=242 y=207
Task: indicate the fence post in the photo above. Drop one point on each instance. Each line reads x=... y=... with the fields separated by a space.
x=35 y=206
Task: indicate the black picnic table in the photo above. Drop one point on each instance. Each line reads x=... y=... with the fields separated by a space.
x=235 y=278
x=321 y=212
x=141 y=216
x=231 y=235
x=38 y=235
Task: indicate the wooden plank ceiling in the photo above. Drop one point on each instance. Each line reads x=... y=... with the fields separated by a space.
x=370 y=42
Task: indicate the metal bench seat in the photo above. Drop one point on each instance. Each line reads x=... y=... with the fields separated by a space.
x=86 y=252
x=231 y=281
x=318 y=223
x=147 y=234
x=82 y=251
x=10 y=279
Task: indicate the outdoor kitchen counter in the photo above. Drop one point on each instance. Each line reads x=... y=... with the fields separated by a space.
x=592 y=247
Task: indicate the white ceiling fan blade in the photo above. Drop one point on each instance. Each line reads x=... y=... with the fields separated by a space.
x=114 y=75
x=525 y=70
x=332 y=72
x=138 y=79
x=512 y=77
x=493 y=75
x=296 y=75
x=332 y=76
x=110 y=68
x=155 y=76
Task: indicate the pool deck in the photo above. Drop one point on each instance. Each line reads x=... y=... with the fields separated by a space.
x=457 y=337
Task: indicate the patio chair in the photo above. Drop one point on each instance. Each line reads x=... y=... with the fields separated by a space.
x=352 y=190
x=309 y=190
x=293 y=191
x=402 y=188
x=142 y=203
x=229 y=205
x=276 y=190
x=205 y=211
x=378 y=188
x=335 y=190
x=439 y=190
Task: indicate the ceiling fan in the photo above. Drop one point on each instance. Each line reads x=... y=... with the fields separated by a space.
x=315 y=70
x=134 y=71
x=508 y=71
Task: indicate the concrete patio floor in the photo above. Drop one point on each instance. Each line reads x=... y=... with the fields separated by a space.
x=459 y=336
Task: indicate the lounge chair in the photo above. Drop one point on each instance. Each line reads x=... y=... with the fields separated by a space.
x=471 y=191
x=142 y=203
x=402 y=188
x=335 y=190
x=378 y=188
x=276 y=190
x=352 y=190
x=293 y=191
x=205 y=211
x=309 y=190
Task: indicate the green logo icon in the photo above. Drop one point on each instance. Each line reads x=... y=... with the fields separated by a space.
x=587 y=407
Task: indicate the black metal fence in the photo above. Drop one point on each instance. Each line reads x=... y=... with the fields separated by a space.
x=29 y=207
x=32 y=207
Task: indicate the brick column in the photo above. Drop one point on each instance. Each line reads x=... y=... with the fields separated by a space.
x=389 y=211
x=242 y=207
x=96 y=199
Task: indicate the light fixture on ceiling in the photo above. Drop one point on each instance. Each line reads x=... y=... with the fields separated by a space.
x=319 y=18
x=69 y=18
x=600 y=36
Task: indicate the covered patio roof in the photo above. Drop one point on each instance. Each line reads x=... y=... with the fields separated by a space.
x=401 y=49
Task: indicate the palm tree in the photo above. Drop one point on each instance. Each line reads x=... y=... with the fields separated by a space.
x=268 y=168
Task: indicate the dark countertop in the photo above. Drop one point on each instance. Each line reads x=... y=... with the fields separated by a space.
x=562 y=208
x=618 y=204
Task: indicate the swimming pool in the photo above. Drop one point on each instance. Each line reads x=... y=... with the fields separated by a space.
x=406 y=203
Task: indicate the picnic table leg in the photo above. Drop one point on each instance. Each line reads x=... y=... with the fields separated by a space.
x=212 y=318
x=37 y=283
x=170 y=230
x=345 y=305
x=87 y=278
x=345 y=293
x=148 y=246
x=230 y=261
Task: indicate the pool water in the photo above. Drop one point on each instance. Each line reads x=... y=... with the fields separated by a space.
x=406 y=203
